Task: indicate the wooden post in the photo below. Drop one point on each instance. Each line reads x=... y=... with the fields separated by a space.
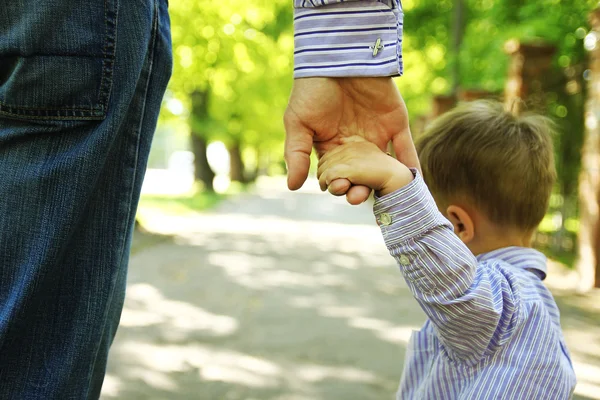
x=442 y=104
x=588 y=242
x=528 y=66
x=477 y=94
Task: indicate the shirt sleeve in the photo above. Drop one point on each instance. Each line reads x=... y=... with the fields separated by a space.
x=337 y=38
x=474 y=308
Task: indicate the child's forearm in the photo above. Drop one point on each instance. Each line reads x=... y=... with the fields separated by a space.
x=471 y=307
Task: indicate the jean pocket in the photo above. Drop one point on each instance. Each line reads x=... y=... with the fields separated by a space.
x=56 y=58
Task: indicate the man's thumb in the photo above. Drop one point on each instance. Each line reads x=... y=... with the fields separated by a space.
x=298 y=146
x=405 y=150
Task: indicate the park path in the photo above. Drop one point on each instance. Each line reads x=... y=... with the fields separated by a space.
x=281 y=296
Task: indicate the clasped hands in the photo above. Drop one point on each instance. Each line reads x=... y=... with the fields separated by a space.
x=350 y=122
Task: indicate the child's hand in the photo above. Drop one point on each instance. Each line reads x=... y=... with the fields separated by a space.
x=362 y=163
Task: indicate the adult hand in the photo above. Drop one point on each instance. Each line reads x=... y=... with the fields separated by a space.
x=321 y=111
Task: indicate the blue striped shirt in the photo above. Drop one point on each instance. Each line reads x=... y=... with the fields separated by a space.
x=337 y=38
x=493 y=328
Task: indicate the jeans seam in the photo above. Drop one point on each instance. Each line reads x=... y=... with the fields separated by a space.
x=111 y=25
x=52 y=54
x=151 y=53
x=57 y=115
x=27 y=108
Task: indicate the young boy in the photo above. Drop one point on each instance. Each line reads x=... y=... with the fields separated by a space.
x=493 y=329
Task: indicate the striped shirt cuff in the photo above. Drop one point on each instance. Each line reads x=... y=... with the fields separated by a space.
x=407 y=213
x=347 y=39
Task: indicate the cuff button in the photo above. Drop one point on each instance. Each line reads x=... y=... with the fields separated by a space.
x=385 y=219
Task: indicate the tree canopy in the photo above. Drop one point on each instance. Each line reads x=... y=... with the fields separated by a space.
x=238 y=54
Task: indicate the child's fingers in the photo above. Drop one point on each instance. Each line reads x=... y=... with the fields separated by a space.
x=339 y=187
x=324 y=165
x=322 y=176
x=330 y=165
x=358 y=194
x=331 y=155
x=338 y=178
x=339 y=155
x=329 y=175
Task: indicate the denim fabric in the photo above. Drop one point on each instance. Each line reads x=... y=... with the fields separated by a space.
x=81 y=83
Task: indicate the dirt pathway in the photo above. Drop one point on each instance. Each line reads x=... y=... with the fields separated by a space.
x=277 y=295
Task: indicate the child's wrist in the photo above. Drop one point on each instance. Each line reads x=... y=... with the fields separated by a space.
x=400 y=177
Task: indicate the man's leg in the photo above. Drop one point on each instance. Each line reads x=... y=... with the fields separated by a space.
x=81 y=84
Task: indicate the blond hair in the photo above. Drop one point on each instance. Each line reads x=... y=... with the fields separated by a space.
x=501 y=163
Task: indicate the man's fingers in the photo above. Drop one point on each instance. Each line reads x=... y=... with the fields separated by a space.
x=358 y=194
x=405 y=150
x=298 y=146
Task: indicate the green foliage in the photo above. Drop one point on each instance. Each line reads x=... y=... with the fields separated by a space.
x=488 y=25
x=240 y=53
x=483 y=63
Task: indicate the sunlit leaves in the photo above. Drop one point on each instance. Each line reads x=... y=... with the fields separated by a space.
x=241 y=52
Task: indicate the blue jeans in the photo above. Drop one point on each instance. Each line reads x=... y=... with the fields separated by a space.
x=81 y=83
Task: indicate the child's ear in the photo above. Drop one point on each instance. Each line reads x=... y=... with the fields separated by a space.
x=463 y=224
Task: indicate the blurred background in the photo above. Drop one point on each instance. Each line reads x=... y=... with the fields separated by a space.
x=239 y=289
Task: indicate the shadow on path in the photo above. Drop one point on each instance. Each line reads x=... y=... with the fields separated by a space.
x=277 y=295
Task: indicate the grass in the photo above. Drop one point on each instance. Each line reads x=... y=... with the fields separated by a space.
x=151 y=206
x=564 y=257
x=180 y=205
x=565 y=252
x=548 y=230
x=143 y=239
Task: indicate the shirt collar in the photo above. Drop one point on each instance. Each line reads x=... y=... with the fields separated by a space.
x=521 y=257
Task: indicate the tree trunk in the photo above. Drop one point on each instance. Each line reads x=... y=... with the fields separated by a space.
x=442 y=104
x=597 y=246
x=458 y=30
x=236 y=163
x=202 y=171
x=528 y=69
x=588 y=241
x=257 y=167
